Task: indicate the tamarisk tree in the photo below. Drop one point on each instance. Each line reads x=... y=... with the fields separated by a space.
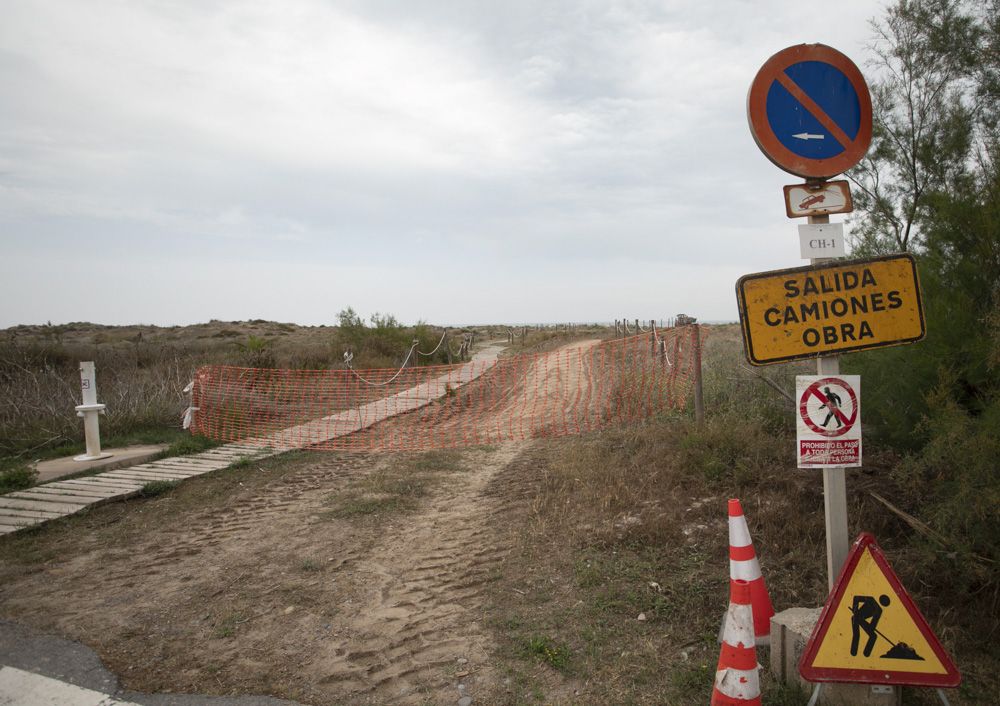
x=925 y=109
x=930 y=184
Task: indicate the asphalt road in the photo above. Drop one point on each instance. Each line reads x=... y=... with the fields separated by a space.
x=72 y=663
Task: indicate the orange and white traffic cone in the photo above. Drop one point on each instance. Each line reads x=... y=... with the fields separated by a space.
x=743 y=565
x=737 y=682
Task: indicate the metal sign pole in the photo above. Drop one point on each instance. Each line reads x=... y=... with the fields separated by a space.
x=834 y=478
x=825 y=86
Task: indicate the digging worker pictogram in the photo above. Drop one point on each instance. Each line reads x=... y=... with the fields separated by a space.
x=890 y=642
x=833 y=404
x=865 y=614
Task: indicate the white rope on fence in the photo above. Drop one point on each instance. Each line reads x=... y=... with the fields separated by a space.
x=662 y=343
x=436 y=347
x=188 y=416
x=463 y=347
x=348 y=357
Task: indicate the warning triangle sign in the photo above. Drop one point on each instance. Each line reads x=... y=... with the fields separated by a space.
x=871 y=632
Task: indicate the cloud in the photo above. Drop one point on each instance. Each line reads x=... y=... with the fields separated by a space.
x=392 y=143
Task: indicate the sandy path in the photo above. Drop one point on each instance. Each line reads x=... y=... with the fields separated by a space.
x=243 y=582
x=550 y=391
x=417 y=634
x=524 y=397
x=259 y=592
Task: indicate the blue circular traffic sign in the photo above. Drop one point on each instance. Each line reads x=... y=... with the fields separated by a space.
x=810 y=111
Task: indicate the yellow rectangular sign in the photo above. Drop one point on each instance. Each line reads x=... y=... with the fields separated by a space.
x=832 y=308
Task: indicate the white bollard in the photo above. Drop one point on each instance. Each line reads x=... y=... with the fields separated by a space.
x=90 y=410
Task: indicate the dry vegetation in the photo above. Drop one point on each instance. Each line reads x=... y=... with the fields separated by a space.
x=633 y=522
x=142 y=370
x=548 y=551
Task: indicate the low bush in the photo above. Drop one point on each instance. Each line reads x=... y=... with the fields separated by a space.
x=17 y=477
x=640 y=506
x=142 y=372
x=190 y=444
x=157 y=487
x=952 y=485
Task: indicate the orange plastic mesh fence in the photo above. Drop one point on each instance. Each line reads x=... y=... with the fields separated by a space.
x=571 y=390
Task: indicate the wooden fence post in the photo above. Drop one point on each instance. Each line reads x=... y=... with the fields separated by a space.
x=699 y=399
x=677 y=358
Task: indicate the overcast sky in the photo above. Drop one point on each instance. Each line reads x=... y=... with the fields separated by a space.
x=174 y=162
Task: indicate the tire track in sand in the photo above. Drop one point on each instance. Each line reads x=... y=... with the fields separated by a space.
x=418 y=635
x=419 y=632
x=393 y=614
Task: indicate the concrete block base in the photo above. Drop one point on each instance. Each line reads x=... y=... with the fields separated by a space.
x=790 y=631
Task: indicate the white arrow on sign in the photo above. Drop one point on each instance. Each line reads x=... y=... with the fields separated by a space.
x=809 y=136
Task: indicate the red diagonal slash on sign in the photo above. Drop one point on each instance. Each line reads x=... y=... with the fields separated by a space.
x=813 y=107
x=814 y=389
x=773 y=73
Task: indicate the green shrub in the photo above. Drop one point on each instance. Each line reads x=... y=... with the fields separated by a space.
x=190 y=444
x=257 y=352
x=17 y=478
x=384 y=341
x=157 y=487
x=548 y=650
x=953 y=485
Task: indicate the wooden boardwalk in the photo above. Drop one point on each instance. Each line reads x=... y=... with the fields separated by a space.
x=37 y=505
x=27 y=508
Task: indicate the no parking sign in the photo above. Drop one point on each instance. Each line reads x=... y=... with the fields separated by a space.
x=828 y=424
x=810 y=111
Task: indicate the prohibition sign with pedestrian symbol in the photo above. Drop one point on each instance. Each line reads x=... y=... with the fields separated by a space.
x=832 y=403
x=810 y=111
